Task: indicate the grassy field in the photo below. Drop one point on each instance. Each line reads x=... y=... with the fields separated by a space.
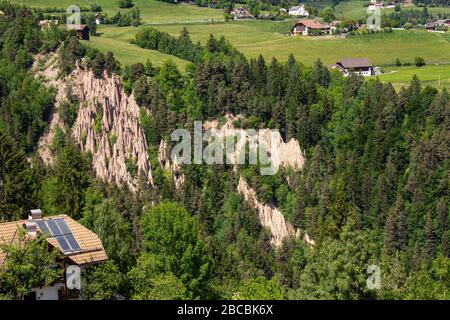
x=152 y=11
x=355 y=8
x=116 y=40
x=270 y=40
x=435 y=75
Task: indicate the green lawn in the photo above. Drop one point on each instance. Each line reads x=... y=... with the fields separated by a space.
x=152 y=11
x=270 y=39
x=435 y=75
x=355 y=9
x=116 y=40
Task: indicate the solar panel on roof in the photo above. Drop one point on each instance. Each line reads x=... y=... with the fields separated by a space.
x=63 y=226
x=73 y=242
x=63 y=244
x=43 y=227
x=54 y=228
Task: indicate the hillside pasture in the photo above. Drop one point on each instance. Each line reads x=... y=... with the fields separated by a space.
x=152 y=11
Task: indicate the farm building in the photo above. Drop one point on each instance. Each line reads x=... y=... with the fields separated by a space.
x=361 y=66
x=391 y=5
x=436 y=24
x=308 y=26
x=298 y=11
x=78 y=246
x=48 y=23
x=83 y=31
x=99 y=17
x=241 y=13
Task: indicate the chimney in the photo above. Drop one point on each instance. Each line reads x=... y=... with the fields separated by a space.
x=31 y=228
x=35 y=214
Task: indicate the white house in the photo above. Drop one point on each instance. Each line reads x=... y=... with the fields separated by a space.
x=361 y=66
x=298 y=11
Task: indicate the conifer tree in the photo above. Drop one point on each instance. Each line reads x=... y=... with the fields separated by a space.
x=15 y=183
x=430 y=239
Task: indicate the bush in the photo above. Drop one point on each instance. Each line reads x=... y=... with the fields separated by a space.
x=95 y=7
x=419 y=62
x=125 y=4
x=398 y=63
x=408 y=26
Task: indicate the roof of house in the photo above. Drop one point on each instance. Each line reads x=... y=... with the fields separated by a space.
x=355 y=63
x=91 y=247
x=313 y=24
x=295 y=8
x=79 y=27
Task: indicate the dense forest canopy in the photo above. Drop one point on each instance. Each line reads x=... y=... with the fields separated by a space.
x=374 y=190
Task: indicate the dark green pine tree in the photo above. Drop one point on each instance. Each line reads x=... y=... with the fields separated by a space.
x=276 y=79
x=395 y=227
x=416 y=259
x=211 y=44
x=442 y=214
x=430 y=238
x=72 y=174
x=320 y=74
x=15 y=181
x=98 y=65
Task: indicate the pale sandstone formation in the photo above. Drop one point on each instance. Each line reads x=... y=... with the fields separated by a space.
x=120 y=138
x=50 y=73
x=269 y=216
x=284 y=154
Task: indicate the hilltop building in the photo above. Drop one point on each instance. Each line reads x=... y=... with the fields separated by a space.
x=307 y=26
x=299 y=11
x=361 y=66
x=82 y=30
x=241 y=13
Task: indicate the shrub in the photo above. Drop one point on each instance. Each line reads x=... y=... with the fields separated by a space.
x=125 y=4
x=419 y=61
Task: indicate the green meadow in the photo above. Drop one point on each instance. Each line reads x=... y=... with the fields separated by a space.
x=435 y=75
x=152 y=11
x=271 y=39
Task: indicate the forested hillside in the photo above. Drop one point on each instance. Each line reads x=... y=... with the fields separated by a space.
x=374 y=188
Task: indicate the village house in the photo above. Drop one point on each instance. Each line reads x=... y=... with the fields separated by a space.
x=375 y=4
x=48 y=23
x=78 y=245
x=82 y=30
x=361 y=66
x=308 y=26
x=437 y=24
x=99 y=17
x=443 y=23
x=298 y=11
x=241 y=13
x=391 y=5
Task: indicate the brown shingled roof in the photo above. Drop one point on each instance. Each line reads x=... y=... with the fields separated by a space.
x=355 y=63
x=92 y=250
x=313 y=24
